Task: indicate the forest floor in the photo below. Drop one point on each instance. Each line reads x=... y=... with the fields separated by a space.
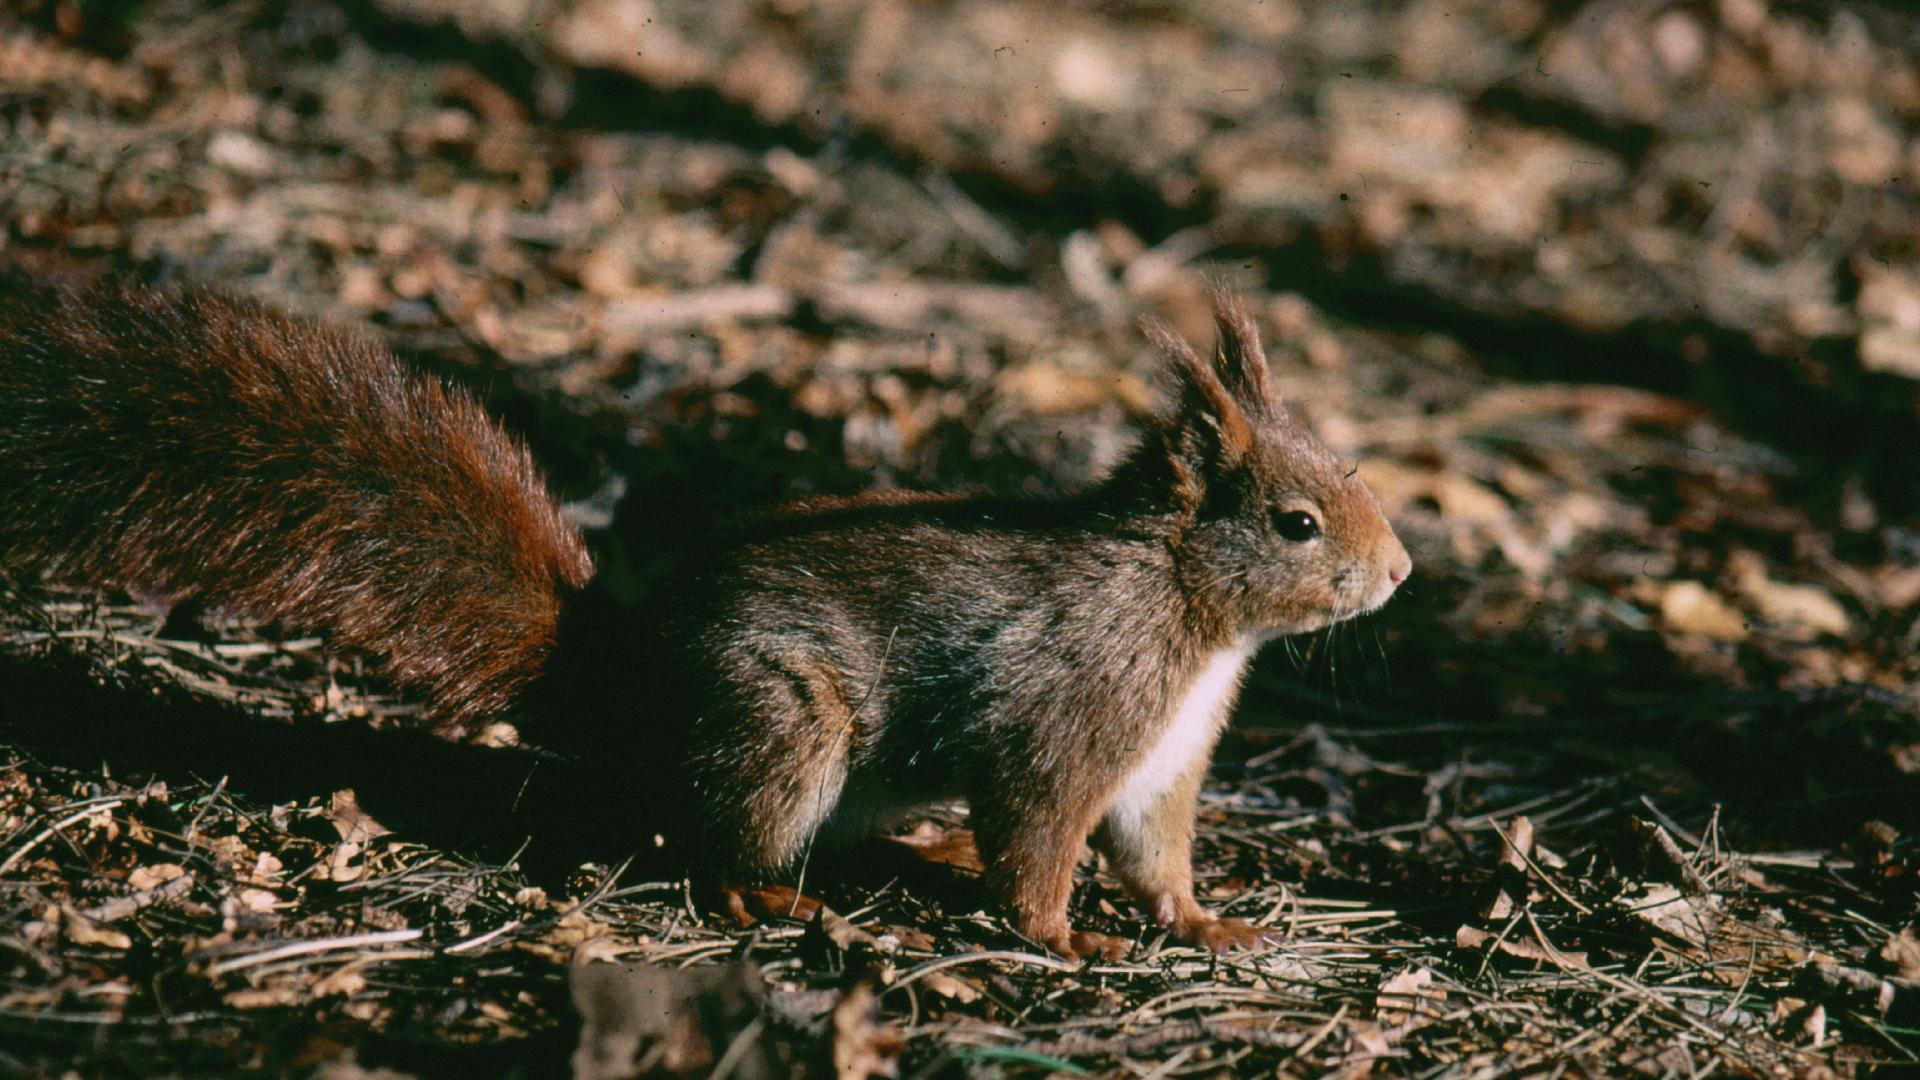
x=1618 y=305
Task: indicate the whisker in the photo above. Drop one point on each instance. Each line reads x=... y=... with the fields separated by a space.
x=1217 y=582
x=1333 y=667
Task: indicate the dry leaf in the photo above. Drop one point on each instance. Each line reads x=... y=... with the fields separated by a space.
x=575 y=928
x=951 y=986
x=751 y=904
x=1691 y=608
x=1368 y=1044
x=1795 y=612
x=643 y=1020
x=947 y=846
x=345 y=981
x=863 y=1044
x=1514 y=852
x=1902 y=954
x=278 y=995
x=1047 y=390
x=1673 y=913
x=841 y=931
x=353 y=823
x=910 y=938
x=1407 y=1001
x=154 y=875
x=1469 y=937
x=343 y=863
x=84 y=931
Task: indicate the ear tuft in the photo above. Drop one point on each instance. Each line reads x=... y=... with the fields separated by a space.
x=1243 y=363
x=1204 y=396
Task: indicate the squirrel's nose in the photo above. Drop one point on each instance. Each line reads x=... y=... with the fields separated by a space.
x=1400 y=567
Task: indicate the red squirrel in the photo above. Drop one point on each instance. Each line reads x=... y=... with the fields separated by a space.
x=1065 y=665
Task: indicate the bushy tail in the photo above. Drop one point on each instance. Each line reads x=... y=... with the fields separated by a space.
x=184 y=445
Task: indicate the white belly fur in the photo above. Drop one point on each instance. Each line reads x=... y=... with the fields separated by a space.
x=1196 y=720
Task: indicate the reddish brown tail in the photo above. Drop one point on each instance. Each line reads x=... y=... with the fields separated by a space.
x=185 y=445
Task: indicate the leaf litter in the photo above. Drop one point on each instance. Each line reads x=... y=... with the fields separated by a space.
x=1611 y=309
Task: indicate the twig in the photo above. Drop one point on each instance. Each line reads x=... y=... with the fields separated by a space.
x=313 y=947
x=127 y=905
x=54 y=829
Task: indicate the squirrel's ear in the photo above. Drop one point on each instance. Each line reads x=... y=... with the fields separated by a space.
x=1242 y=362
x=1203 y=396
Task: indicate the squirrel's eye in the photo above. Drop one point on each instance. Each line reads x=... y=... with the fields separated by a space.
x=1296 y=525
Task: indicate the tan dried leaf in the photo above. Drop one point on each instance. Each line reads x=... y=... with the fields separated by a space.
x=353 y=823
x=1047 y=390
x=863 y=1044
x=84 y=931
x=946 y=846
x=1368 y=1044
x=1795 y=612
x=1673 y=913
x=910 y=938
x=1902 y=954
x=344 y=981
x=1470 y=937
x=279 y=995
x=154 y=875
x=574 y=929
x=1691 y=608
x=842 y=932
x=343 y=863
x=1407 y=1000
x=951 y=986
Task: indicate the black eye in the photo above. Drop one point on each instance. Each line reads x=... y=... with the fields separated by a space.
x=1296 y=525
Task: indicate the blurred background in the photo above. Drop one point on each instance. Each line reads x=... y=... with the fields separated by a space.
x=1617 y=303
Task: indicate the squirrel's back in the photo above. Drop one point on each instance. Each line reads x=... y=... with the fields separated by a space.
x=184 y=445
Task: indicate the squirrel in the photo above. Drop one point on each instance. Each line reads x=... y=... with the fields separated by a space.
x=1066 y=665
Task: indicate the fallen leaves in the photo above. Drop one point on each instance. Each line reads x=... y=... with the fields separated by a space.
x=646 y=1020
x=1901 y=954
x=1794 y=612
x=84 y=931
x=1691 y=608
x=1408 y=1000
x=357 y=829
x=864 y=1045
x=642 y=270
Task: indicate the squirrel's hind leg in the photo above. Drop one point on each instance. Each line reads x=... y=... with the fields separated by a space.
x=771 y=764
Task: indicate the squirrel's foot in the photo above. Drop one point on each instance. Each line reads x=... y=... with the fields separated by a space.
x=1084 y=944
x=1224 y=935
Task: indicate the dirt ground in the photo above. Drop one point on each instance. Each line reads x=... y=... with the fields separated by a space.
x=1618 y=304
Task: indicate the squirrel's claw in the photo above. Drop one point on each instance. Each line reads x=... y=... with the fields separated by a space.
x=1225 y=935
x=1086 y=945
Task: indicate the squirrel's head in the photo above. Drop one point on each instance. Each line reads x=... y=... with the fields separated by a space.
x=1280 y=536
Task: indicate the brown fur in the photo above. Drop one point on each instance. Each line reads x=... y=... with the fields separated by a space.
x=182 y=445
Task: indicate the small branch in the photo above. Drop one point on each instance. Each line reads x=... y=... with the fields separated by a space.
x=309 y=948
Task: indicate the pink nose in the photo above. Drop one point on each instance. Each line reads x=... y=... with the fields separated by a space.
x=1400 y=568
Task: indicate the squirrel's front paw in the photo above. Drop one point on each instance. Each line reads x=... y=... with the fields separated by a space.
x=1085 y=944
x=1225 y=935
